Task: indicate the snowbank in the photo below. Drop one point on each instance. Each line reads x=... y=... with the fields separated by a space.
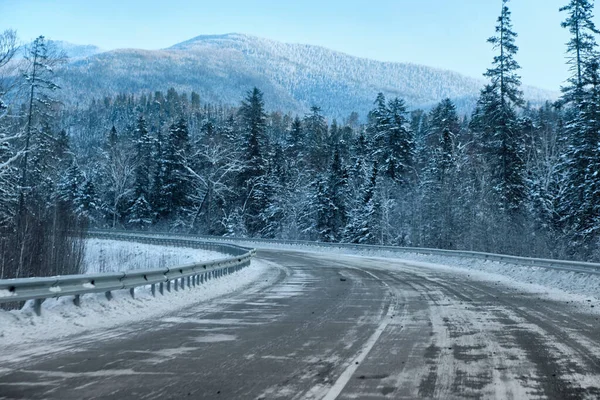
x=61 y=318
x=113 y=255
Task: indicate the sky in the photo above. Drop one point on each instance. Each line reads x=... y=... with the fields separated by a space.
x=439 y=33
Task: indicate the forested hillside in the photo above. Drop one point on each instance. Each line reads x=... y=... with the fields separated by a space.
x=508 y=178
x=293 y=77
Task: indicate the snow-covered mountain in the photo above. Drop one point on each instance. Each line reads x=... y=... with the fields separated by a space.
x=76 y=51
x=221 y=68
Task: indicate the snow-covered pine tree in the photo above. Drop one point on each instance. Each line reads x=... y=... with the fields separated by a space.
x=332 y=201
x=391 y=138
x=296 y=148
x=176 y=180
x=378 y=129
x=399 y=144
x=157 y=196
x=316 y=134
x=140 y=213
x=579 y=204
x=439 y=184
x=364 y=226
x=495 y=120
x=581 y=48
x=585 y=165
x=253 y=177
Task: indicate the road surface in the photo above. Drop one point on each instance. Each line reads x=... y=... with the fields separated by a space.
x=333 y=327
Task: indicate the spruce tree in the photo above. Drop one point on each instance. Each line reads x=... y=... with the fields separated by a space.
x=581 y=48
x=332 y=198
x=439 y=184
x=495 y=120
x=399 y=146
x=253 y=177
x=140 y=213
x=579 y=204
x=296 y=147
x=364 y=226
x=175 y=178
x=316 y=130
x=391 y=138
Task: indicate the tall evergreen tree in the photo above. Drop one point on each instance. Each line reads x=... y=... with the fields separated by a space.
x=140 y=213
x=495 y=119
x=316 y=130
x=175 y=178
x=439 y=186
x=364 y=225
x=581 y=48
x=399 y=146
x=332 y=198
x=579 y=204
x=253 y=177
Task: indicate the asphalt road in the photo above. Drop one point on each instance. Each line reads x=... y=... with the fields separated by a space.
x=328 y=327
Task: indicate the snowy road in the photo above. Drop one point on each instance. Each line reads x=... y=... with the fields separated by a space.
x=326 y=326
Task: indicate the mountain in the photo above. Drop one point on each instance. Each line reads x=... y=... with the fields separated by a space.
x=75 y=51
x=221 y=68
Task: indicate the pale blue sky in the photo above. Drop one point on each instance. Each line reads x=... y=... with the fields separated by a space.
x=440 y=33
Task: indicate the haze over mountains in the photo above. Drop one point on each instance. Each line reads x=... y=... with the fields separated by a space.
x=221 y=68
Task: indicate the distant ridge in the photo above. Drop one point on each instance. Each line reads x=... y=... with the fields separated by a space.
x=293 y=76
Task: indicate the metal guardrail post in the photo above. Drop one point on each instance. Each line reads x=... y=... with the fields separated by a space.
x=37 y=306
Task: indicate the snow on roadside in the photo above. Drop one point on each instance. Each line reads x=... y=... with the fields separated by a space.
x=103 y=255
x=578 y=289
x=581 y=290
x=61 y=318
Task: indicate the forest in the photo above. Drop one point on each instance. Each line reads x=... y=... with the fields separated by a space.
x=507 y=178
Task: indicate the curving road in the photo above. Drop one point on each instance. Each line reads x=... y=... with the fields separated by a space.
x=333 y=327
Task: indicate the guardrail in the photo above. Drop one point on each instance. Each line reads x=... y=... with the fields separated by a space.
x=571 y=266
x=190 y=275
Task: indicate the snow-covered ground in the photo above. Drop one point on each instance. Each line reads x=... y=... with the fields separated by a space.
x=582 y=290
x=61 y=318
x=113 y=255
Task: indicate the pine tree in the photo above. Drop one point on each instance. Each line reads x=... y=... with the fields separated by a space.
x=399 y=152
x=502 y=75
x=495 y=120
x=253 y=178
x=175 y=179
x=440 y=180
x=579 y=204
x=581 y=48
x=391 y=138
x=584 y=165
x=378 y=129
x=443 y=117
x=38 y=74
x=296 y=144
x=140 y=211
x=315 y=128
x=364 y=226
x=332 y=202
